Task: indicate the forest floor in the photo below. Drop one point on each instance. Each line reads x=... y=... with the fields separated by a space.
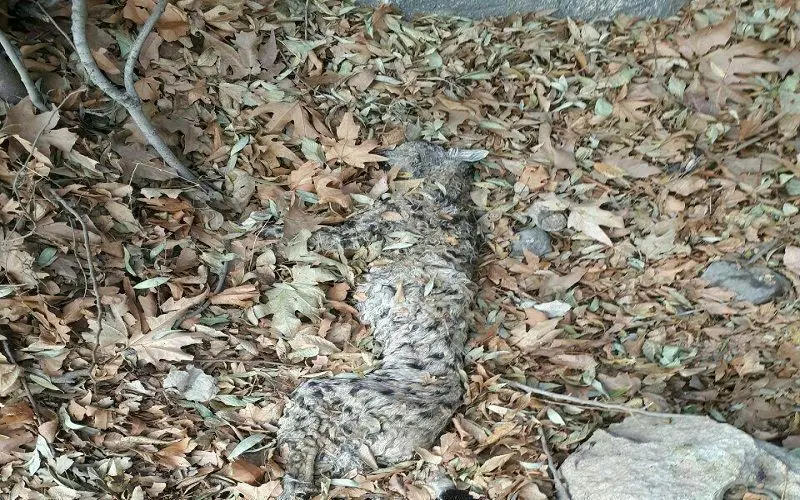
x=670 y=144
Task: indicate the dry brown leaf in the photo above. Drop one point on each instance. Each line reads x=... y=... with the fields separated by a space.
x=38 y=129
x=239 y=296
x=283 y=114
x=345 y=148
x=174 y=455
x=701 y=41
x=731 y=64
x=172 y=25
x=686 y=186
x=588 y=219
x=748 y=364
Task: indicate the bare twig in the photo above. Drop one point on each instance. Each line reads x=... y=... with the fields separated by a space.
x=92 y=274
x=136 y=48
x=10 y=357
x=561 y=489
x=223 y=275
x=129 y=100
x=585 y=402
x=55 y=24
x=16 y=60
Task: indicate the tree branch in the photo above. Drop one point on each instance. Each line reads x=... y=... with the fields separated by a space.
x=129 y=100
x=30 y=87
x=564 y=398
x=136 y=48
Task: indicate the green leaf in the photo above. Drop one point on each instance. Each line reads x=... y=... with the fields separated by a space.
x=126 y=257
x=151 y=283
x=621 y=78
x=676 y=87
x=157 y=250
x=245 y=445
x=47 y=257
x=301 y=48
x=240 y=144
x=603 y=108
x=477 y=75
x=312 y=150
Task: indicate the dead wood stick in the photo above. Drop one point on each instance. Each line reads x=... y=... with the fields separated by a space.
x=90 y=264
x=585 y=402
x=561 y=488
x=136 y=48
x=27 y=81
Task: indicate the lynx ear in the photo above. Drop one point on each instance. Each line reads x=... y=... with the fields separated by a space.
x=468 y=155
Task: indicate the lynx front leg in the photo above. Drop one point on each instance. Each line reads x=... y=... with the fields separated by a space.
x=299 y=461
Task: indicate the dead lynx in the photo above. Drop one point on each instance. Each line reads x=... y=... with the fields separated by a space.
x=417 y=306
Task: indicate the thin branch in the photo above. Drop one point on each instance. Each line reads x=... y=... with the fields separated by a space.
x=130 y=101
x=585 y=402
x=561 y=489
x=16 y=60
x=10 y=357
x=92 y=274
x=96 y=75
x=136 y=48
x=55 y=24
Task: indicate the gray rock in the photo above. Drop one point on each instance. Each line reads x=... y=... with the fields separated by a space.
x=677 y=459
x=576 y=9
x=192 y=384
x=534 y=239
x=549 y=220
x=755 y=284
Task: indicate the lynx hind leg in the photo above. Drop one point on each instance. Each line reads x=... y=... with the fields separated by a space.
x=308 y=433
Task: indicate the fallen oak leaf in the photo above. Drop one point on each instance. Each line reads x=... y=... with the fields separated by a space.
x=588 y=219
x=239 y=296
x=172 y=24
x=163 y=342
x=701 y=41
x=38 y=129
x=345 y=148
x=356 y=156
x=284 y=113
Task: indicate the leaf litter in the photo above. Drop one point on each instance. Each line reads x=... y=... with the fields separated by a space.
x=668 y=144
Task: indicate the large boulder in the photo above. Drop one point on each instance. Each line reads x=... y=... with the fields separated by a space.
x=754 y=284
x=577 y=9
x=675 y=459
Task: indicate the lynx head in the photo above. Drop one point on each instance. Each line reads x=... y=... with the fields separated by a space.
x=445 y=170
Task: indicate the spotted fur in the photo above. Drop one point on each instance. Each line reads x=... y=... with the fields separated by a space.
x=417 y=306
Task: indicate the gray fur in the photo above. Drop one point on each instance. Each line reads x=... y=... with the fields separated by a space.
x=332 y=426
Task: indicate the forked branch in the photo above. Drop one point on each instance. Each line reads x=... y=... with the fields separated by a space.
x=126 y=98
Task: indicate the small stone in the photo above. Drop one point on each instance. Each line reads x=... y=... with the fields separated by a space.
x=549 y=220
x=793 y=187
x=756 y=284
x=192 y=384
x=534 y=239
